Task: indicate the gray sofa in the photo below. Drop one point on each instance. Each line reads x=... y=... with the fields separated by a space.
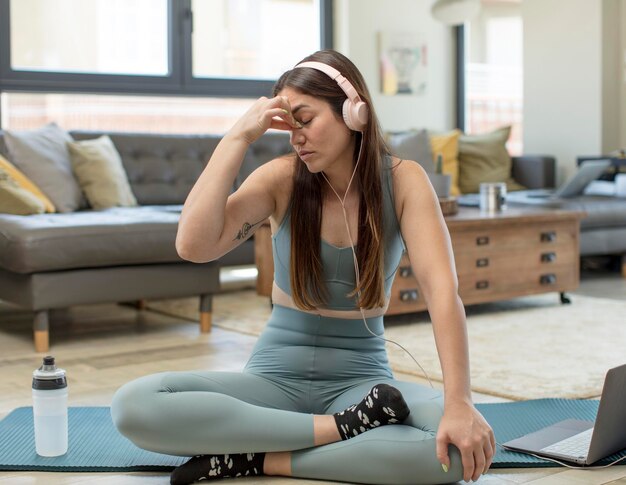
x=123 y=254
x=602 y=230
x=53 y=261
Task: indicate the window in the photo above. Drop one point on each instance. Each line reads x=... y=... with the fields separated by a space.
x=77 y=60
x=94 y=36
x=252 y=38
x=491 y=90
x=98 y=112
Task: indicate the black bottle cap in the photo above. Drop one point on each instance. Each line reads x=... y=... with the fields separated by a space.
x=49 y=376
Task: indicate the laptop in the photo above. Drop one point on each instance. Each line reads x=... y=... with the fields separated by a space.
x=573 y=187
x=584 y=442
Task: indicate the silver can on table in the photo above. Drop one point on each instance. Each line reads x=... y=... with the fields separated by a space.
x=492 y=197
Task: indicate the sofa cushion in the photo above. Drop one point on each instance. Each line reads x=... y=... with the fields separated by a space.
x=16 y=200
x=602 y=211
x=43 y=156
x=484 y=158
x=25 y=183
x=412 y=145
x=87 y=239
x=100 y=173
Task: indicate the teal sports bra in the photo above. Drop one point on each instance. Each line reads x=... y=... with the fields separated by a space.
x=338 y=265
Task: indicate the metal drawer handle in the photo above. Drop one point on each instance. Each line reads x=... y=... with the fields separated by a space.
x=548 y=257
x=408 y=295
x=482 y=285
x=547 y=279
x=405 y=271
x=482 y=262
x=482 y=241
x=549 y=236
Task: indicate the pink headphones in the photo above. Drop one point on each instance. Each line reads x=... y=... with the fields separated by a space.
x=354 y=110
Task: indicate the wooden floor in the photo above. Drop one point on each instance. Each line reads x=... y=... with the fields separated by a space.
x=103 y=346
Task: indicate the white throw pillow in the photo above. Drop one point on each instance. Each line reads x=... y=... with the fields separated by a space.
x=100 y=173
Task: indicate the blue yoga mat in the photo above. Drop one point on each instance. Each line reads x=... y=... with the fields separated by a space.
x=514 y=419
x=95 y=444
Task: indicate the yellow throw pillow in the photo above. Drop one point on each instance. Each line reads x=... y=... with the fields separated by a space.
x=447 y=145
x=25 y=183
x=98 y=168
x=15 y=199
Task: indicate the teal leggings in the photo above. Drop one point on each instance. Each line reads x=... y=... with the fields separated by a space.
x=302 y=365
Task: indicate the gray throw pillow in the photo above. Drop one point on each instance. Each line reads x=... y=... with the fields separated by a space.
x=413 y=145
x=44 y=157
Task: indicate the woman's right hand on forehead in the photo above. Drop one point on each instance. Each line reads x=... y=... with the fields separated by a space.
x=264 y=114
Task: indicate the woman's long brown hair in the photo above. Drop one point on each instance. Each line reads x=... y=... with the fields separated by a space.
x=306 y=272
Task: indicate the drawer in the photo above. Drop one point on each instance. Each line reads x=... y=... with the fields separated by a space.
x=480 y=262
x=405 y=294
x=481 y=287
x=515 y=237
x=501 y=262
x=406 y=300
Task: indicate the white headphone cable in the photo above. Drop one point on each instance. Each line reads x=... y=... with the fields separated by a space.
x=356 y=263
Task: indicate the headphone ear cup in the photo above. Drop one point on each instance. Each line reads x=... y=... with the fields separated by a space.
x=355 y=114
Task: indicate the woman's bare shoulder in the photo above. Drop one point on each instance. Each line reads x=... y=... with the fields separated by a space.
x=278 y=175
x=273 y=175
x=279 y=172
x=411 y=186
x=285 y=164
x=408 y=176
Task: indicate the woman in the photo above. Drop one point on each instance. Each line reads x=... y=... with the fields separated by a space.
x=342 y=210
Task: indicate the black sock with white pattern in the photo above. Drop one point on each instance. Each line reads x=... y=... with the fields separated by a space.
x=209 y=467
x=383 y=405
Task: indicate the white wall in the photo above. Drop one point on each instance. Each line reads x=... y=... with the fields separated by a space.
x=611 y=70
x=562 y=79
x=357 y=23
x=622 y=74
x=573 y=97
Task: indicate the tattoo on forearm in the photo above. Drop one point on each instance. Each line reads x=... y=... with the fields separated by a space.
x=244 y=232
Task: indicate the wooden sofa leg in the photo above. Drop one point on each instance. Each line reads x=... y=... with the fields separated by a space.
x=206 y=308
x=624 y=265
x=205 y=322
x=41 y=331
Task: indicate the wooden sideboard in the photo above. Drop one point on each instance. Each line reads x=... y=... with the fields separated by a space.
x=517 y=252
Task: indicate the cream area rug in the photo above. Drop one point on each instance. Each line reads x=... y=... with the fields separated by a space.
x=525 y=348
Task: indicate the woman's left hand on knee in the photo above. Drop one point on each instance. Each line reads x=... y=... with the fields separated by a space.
x=464 y=427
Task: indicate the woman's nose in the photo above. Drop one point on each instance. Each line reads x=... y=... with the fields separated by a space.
x=296 y=136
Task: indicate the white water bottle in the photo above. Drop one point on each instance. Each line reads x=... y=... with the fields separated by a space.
x=50 y=409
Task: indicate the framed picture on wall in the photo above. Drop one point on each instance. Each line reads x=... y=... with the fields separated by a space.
x=403 y=58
